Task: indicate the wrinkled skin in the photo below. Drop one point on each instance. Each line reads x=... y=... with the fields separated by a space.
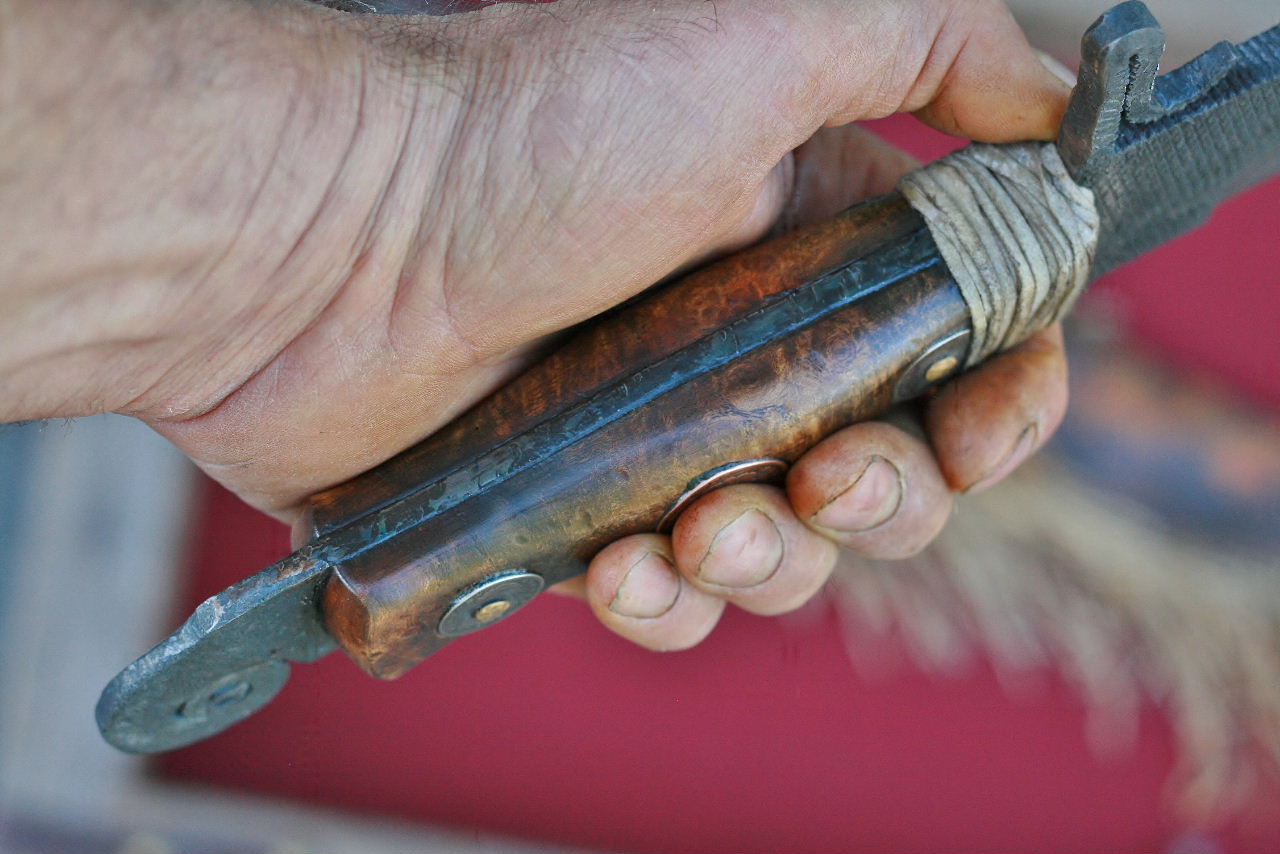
x=296 y=241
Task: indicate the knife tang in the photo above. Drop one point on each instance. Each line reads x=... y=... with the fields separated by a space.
x=749 y=361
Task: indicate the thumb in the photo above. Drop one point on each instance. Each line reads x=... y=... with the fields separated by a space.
x=982 y=80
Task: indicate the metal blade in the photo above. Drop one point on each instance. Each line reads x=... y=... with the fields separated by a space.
x=229 y=659
x=1160 y=153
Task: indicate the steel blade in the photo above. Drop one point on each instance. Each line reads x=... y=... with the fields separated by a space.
x=1160 y=153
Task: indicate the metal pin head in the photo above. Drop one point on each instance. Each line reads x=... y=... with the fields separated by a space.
x=498 y=597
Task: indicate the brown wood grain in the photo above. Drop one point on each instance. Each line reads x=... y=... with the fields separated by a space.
x=605 y=350
x=550 y=517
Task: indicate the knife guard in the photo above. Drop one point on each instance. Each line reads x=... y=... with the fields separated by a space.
x=755 y=357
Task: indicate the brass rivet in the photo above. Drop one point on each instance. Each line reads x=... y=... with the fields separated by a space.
x=492 y=611
x=941 y=368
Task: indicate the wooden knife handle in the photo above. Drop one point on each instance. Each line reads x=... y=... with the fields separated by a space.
x=756 y=357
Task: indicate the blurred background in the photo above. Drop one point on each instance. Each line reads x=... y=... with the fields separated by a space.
x=1088 y=659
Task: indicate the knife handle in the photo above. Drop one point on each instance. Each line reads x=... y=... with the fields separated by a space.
x=726 y=374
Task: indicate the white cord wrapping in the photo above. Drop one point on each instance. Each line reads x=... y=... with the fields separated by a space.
x=1016 y=231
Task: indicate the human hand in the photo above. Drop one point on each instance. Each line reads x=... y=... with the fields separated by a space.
x=368 y=223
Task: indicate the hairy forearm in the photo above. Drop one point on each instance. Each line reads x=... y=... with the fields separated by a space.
x=161 y=163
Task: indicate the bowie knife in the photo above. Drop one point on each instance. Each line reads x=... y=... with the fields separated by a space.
x=775 y=348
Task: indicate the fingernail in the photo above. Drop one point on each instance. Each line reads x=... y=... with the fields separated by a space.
x=745 y=553
x=1066 y=75
x=1021 y=449
x=648 y=590
x=870 y=501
